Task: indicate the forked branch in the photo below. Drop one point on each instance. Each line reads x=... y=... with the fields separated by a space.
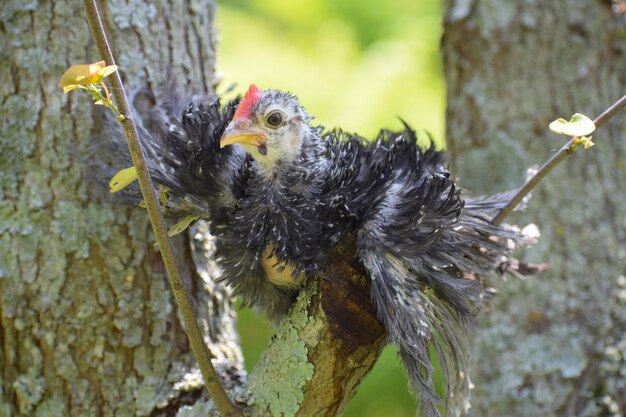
x=562 y=154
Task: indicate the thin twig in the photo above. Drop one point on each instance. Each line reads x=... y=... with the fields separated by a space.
x=199 y=348
x=564 y=152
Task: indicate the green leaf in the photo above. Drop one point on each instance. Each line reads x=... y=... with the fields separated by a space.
x=579 y=125
x=122 y=179
x=181 y=225
x=585 y=141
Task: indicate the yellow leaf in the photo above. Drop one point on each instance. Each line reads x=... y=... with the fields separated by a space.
x=122 y=179
x=85 y=74
x=163 y=196
x=106 y=71
x=586 y=142
x=181 y=225
x=70 y=87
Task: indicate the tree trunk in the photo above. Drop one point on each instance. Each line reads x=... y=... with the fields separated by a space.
x=87 y=321
x=554 y=345
x=326 y=346
x=88 y=326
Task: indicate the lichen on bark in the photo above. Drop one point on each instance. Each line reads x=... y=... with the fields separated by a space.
x=512 y=67
x=276 y=384
x=87 y=325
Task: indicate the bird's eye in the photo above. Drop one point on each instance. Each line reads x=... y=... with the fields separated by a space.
x=274 y=119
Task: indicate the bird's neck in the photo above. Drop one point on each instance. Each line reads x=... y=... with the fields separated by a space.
x=304 y=165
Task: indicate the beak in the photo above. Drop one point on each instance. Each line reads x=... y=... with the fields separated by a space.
x=240 y=131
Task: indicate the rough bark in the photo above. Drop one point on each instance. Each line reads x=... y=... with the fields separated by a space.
x=321 y=351
x=87 y=321
x=324 y=349
x=554 y=345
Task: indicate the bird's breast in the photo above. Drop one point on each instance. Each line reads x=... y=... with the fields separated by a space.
x=279 y=272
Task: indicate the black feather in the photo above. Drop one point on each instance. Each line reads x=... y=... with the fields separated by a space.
x=424 y=246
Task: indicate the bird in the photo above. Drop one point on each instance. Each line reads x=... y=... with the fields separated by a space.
x=279 y=192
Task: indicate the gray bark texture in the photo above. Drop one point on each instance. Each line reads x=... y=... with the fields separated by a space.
x=87 y=321
x=554 y=345
x=88 y=326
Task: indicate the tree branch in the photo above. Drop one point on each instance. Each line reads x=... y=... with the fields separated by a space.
x=325 y=347
x=199 y=348
x=563 y=153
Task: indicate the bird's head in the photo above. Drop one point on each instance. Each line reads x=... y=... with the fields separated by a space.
x=270 y=125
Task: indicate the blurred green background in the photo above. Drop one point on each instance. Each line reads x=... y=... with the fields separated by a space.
x=354 y=64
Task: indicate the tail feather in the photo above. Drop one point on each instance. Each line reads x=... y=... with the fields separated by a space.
x=427 y=250
x=416 y=318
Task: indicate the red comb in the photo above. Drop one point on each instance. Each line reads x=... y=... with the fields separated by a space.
x=253 y=95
